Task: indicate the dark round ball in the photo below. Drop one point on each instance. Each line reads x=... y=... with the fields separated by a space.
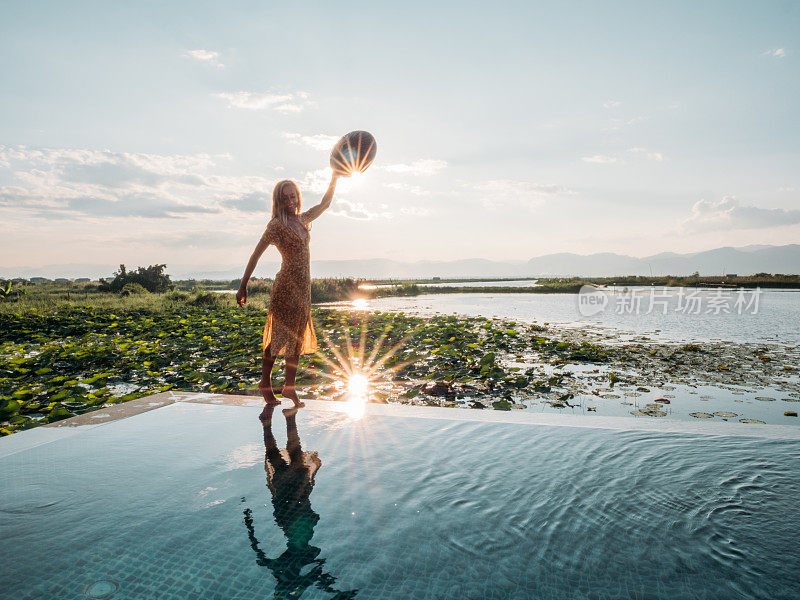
x=353 y=152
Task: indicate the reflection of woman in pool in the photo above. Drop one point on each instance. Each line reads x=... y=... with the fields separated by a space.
x=290 y=478
x=289 y=328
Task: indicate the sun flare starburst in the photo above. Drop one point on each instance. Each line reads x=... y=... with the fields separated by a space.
x=358 y=386
x=353 y=375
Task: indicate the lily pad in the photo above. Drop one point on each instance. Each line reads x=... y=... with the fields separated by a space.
x=648 y=412
x=701 y=415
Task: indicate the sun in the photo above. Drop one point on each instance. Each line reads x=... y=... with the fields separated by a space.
x=354 y=375
x=357 y=395
x=358 y=386
x=352 y=181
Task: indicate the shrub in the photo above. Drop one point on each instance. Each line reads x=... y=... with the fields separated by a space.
x=259 y=287
x=152 y=278
x=208 y=299
x=330 y=290
x=133 y=288
x=176 y=296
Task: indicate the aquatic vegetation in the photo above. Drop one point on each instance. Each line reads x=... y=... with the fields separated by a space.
x=69 y=362
x=62 y=355
x=649 y=410
x=73 y=360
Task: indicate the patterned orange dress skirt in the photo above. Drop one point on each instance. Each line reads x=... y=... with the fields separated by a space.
x=289 y=329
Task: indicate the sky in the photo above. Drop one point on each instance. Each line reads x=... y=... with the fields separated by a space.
x=151 y=132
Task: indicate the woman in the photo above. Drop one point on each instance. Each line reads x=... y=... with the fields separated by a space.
x=289 y=329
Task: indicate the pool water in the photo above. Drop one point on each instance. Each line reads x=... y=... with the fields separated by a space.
x=198 y=500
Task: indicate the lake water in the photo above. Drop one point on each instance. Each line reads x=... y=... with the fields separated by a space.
x=517 y=283
x=663 y=314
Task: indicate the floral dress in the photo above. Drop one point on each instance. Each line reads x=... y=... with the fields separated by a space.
x=289 y=329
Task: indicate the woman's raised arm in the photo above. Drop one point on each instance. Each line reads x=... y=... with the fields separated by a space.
x=315 y=211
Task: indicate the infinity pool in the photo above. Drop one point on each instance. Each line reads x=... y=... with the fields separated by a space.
x=195 y=499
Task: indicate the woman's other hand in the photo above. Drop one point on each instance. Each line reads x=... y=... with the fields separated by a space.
x=241 y=296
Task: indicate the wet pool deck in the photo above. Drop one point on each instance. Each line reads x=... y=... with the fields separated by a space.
x=54 y=431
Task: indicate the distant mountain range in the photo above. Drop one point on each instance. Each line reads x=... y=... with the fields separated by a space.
x=742 y=261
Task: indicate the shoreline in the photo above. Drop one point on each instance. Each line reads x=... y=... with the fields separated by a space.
x=78 y=360
x=569 y=368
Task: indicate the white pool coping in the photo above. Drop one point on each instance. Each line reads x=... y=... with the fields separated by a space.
x=31 y=438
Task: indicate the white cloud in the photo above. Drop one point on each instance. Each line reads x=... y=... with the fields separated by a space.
x=611 y=104
x=426 y=166
x=352 y=210
x=728 y=213
x=618 y=123
x=252 y=202
x=599 y=159
x=415 y=211
x=319 y=141
x=411 y=189
x=316 y=181
x=499 y=192
x=285 y=103
x=288 y=107
x=776 y=52
x=656 y=156
x=80 y=183
x=209 y=57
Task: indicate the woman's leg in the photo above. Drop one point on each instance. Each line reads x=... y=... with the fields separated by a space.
x=266 y=420
x=291 y=374
x=292 y=437
x=265 y=385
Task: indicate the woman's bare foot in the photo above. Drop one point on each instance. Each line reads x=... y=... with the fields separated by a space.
x=269 y=396
x=289 y=392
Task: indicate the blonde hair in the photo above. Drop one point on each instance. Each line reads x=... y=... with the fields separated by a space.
x=278 y=207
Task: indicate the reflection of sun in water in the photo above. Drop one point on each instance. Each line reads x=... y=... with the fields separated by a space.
x=354 y=375
x=360 y=304
x=357 y=395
